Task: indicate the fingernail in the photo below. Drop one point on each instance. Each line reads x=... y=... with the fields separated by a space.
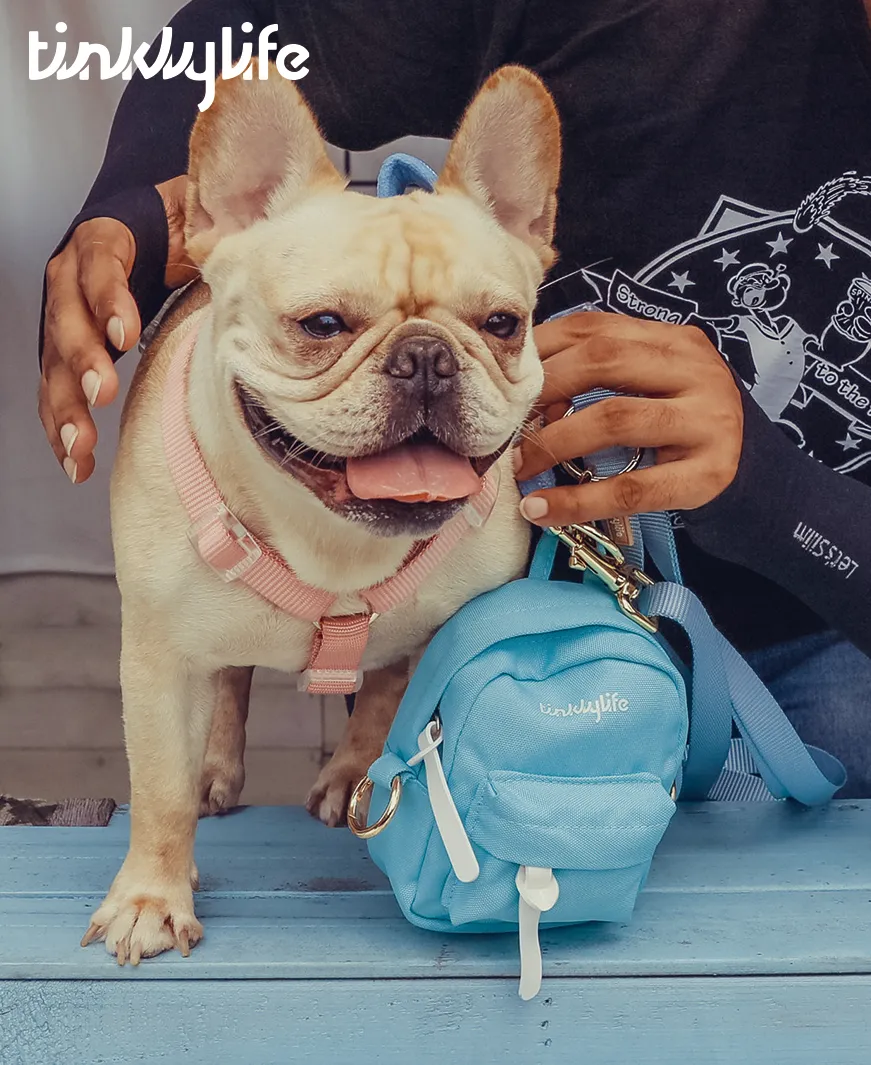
x=91 y=385
x=115 y=332
x=69 y=434
x=517 y=459
x=71 y=469
x=534 y=508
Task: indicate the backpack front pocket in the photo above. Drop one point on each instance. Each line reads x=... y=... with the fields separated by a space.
x=597 y=834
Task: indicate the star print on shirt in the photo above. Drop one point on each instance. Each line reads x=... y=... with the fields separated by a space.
x=727 y=259
x=779 y=246
x=826 y=254
x=680 y=281
x=850 y=444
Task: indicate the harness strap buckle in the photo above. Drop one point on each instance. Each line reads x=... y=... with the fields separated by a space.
x=334 y=664
x=224 y=543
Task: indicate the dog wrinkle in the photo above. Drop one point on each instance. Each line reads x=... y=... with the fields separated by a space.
x=411 y=253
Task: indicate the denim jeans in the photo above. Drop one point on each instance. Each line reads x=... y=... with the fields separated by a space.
x=823 y=684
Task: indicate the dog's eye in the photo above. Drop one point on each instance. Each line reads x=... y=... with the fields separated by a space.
x=324 y=326
x=503 y=326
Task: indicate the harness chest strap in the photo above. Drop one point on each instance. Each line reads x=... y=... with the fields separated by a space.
x=235 y=553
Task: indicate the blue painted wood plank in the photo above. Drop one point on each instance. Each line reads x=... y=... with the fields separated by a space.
x=730 y=934
x=711 y=846
x=764 y=889
x=706 y=1021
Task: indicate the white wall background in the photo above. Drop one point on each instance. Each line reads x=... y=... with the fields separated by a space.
x=53 y=136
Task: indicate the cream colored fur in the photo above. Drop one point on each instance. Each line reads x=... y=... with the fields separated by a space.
x=279 y=238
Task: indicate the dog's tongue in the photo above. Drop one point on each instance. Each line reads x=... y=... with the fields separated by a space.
x=413 y=473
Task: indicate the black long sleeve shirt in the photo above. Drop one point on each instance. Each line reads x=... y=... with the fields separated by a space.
x=715 y=171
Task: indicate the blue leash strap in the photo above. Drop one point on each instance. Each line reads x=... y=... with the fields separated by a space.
x=658 y=540
x=710 y=701
x=807 y=774
x=788 y=767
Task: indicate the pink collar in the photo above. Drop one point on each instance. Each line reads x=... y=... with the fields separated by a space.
x=235 y=553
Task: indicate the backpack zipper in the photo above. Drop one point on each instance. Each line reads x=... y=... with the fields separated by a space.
x=451 y=828
x=539 y=891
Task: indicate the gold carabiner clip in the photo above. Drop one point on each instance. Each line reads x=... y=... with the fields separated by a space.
x=361 y=794
x=586 y=544
x=592 y=549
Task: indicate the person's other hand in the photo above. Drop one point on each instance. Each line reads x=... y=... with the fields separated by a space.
x=677 y=396
x=87 y=301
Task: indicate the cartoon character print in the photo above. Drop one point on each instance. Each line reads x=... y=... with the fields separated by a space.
x=778 y=344
x=847 y=338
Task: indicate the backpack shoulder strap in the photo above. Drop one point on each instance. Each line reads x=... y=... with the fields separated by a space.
x=788 y=767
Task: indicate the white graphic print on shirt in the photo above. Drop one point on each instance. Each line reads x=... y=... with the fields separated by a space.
x=786 y=297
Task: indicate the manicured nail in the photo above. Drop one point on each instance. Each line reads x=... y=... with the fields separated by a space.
x=71 y=469
x=534 y=508
x=91 y=385
x=115 y=332
x=69 y=434
x=517 y=459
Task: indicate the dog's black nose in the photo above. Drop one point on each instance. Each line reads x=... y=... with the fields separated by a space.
x=423 y=357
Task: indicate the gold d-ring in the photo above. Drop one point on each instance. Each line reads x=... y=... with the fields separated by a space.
x=362 y=792
x=587 y=476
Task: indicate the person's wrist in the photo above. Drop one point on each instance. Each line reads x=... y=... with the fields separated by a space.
x=90 y=230
x=758 y=434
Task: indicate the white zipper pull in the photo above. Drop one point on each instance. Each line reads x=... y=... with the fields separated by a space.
x=450 y=827
x=539 y=892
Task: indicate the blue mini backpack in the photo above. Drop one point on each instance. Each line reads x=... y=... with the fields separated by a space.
x=536 y=758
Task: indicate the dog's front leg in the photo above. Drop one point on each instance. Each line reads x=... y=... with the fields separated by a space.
x=374 y=710
x=167 y=713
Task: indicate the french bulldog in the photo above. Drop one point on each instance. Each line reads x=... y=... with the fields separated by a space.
x=357 y=366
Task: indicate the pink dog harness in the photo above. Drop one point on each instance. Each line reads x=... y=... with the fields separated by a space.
x=235 y=553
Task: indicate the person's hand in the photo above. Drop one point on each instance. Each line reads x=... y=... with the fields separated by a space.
x=87 y=301
x=679 y=397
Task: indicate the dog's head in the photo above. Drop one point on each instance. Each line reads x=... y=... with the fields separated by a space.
x=378 y=351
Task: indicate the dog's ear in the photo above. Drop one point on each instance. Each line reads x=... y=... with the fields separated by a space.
x=253 y=153
x=506 y=156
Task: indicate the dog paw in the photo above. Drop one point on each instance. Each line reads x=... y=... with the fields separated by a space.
x=220 y=787
x=328 y=799
x=137 y=925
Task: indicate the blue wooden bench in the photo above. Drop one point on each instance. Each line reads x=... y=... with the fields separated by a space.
x=751 y=944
